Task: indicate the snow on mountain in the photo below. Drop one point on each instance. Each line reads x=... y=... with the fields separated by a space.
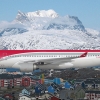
x=12 y=31
x=67 y=22
x=46 y=20
x=11 y=28
x=52 y=39
x=43 y=13
x=30 y=20
x=47 y=30
x=93 y=32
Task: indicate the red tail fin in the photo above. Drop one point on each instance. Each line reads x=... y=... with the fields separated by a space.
x=84 y=54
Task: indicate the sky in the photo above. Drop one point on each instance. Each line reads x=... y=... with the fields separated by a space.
x=88 y=11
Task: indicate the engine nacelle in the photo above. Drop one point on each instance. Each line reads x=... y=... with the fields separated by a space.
x=26 y=67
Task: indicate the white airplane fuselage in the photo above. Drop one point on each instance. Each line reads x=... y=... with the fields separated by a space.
x=12 y=61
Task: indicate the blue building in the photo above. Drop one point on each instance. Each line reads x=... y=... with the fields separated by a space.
x=68 y=85
x=48 y=81
x=37 y=90
x=57 y=81
x=25 y=92
x=40 y=88
x=51 y=89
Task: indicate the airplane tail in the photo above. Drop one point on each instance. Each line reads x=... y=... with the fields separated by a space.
x=84 y=54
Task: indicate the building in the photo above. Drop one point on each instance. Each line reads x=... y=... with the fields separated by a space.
x=17 y=80
x=91 y=84
x=51 y=89
x=6 y=81
x=92 y=95
x=79 y=93
x=11 y=81
x=88 y=84
x=48 y=80
x=53 y=98
x=46 y=96
x=2 y=98
x=78 y=82
x=26 y=81
x=97 y=84
x=9 y=97
x=68 y=85
x=3 y=70
x=25 y=92
x=24 y=97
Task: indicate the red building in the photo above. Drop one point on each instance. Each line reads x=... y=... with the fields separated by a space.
x=92 y=95
x=7 y=80
x=8 y=96
x=54 y=98
x=26 y=81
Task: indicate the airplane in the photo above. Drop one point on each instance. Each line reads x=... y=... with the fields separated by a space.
x=30 y=60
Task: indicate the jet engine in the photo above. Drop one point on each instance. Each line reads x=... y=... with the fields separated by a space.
x=26 y=67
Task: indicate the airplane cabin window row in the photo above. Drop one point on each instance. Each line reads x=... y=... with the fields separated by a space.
x=50 y=55
x=44 y=56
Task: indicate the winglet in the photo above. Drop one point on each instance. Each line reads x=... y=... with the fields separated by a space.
x=84 y=54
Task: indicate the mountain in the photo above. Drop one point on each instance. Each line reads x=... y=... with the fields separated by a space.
x=12 y=31
x=47 y=30
x=46 y=20
x=11 y=28
x=42 y=13
x=93 y=32
x=67 y=22
x=52 y=39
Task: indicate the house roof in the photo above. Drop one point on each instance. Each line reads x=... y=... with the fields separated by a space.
x=50 y=78
x=2 y=98
x=34 y=79
x=17 y=76
x=25 y=76
x=9 y=76
x=92 y=80
x=89 y=82
x=10 y=95
x=54 y=98
x=78 y=80
x=96 y=92
x=97 y=82
x=25 y=96
x=6 y=76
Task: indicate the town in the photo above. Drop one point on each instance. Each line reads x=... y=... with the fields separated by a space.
x=49 y=85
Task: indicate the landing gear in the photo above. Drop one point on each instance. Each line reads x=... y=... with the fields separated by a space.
x=51 y=72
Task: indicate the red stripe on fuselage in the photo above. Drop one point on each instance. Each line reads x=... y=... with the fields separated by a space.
x=4 y=53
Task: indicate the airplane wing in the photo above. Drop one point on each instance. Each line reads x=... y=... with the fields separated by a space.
x=57 y=60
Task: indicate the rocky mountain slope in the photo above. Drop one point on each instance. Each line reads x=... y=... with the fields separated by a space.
x=47 y=30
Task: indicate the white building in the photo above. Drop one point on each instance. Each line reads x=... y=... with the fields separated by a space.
x=23 y=97
x=3 y=70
